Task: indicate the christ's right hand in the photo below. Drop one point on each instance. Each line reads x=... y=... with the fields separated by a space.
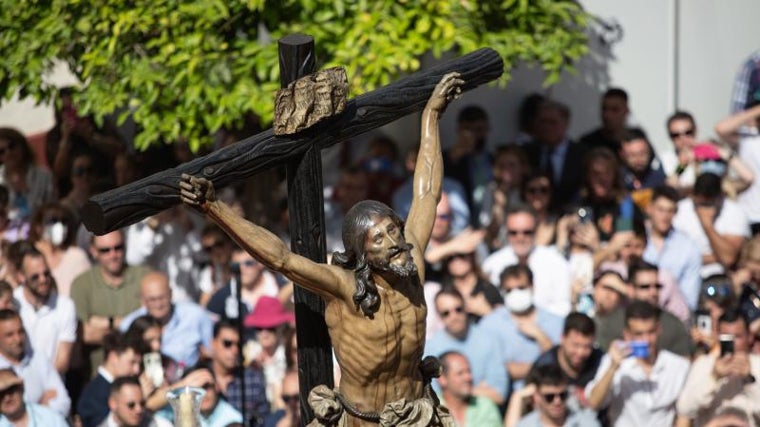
x=196 y=192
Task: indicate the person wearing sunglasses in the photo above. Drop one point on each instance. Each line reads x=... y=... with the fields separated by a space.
x=290 y=414
x=226 y=369
x=629 y=364
x=16 y=412
x=679 y=163
x=549 y=393
x=459 y=334
x=256 y=281
x=551 y=269
x=49 y=318
x=127 y=407
x=105 y=293
x=457 y=393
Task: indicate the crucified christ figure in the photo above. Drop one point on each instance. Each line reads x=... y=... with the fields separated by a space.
x=375 y=308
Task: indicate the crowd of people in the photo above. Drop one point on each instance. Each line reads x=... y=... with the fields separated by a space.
x=568 y=282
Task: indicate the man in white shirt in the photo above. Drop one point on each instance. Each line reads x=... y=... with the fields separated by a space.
x=49 y=319
x=42 y=384
x=640 y=390
x=716 y=224
x=551 y=282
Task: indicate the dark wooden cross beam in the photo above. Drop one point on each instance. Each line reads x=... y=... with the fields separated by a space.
x=301 y=154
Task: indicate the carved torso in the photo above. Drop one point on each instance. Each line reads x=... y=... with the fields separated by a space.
x=380 y=355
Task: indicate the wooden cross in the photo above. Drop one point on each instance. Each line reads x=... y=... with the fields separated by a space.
x=300 y=153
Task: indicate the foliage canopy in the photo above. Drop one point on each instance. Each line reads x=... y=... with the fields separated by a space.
x=188 y=68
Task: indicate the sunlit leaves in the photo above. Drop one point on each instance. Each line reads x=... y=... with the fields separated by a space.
x=184 y=69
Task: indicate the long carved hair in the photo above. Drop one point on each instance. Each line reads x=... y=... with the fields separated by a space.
x=357 y=222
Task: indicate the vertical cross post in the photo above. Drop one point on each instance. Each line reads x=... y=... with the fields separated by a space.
x=307 y=234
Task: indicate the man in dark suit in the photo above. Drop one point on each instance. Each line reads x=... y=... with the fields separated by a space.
x=121 y=359
x=553 y=153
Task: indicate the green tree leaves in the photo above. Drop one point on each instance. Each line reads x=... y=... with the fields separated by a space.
x=184 y=69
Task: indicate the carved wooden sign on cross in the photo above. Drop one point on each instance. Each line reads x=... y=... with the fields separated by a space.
x=300 y=153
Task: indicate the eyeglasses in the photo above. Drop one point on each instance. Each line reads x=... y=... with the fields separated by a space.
x=535 y=191
x=647 y=286
x=446 y=313
x=687 y=132
x=249 y=263
x=133 y=404
x=216 y=245
x=16 y=388
x=290 y=398
x=36 y=277
x=117 y=248
x=230 y=343
x=527 y=233
x=549 y=397
x=81 y=171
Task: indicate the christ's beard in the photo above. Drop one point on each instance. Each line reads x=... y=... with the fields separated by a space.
x=408 y=269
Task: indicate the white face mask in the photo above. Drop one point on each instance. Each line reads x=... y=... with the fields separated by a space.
x=519 y=300
x=56 y=233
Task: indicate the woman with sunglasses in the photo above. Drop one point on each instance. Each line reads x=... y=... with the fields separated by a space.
x=53 y=231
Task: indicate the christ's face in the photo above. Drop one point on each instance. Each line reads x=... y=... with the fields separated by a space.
x=386 y=248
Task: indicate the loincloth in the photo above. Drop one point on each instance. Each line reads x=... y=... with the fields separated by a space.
x=331 y=409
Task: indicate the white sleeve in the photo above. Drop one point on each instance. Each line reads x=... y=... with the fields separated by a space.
x=68 y=331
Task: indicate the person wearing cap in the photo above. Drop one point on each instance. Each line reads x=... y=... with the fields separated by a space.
x=268 y=320
x=16 y=412
x=716 y=223
x=225 y=367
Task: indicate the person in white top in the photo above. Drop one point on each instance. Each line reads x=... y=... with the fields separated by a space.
x=49 y=318
x=551 y=282
x=636 y=380
x=716 y=224
x=742 y=132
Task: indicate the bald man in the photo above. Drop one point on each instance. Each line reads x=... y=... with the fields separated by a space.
x=187 y=327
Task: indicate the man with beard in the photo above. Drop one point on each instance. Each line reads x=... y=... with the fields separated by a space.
x=375 y=308
x=49 y=318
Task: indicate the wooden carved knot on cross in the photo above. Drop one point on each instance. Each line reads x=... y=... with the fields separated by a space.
x=309 y=100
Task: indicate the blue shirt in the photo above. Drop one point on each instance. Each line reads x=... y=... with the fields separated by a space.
x=256 y=402
x=402 y=202
x=39 y=416
x=188 y=328
x=681 y=257
x=517 y=347
x=584 y=418
x=483 y=353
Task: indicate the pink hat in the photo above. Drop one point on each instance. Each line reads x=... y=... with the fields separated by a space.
x=706 y=151
x=268 y=313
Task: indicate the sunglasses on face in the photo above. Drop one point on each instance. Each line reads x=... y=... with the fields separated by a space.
x=647 y=286
x=117 y=248
x=133 y=404
x=722 y=290
x=10 y=146
x=34 y=278
x=10 y=390
x=521 y=232
x=446 y=313
x=549 y=397
x=209 y=386
x=230 y=343
x=290 y=398
x=687 y=132
x=54 y=219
